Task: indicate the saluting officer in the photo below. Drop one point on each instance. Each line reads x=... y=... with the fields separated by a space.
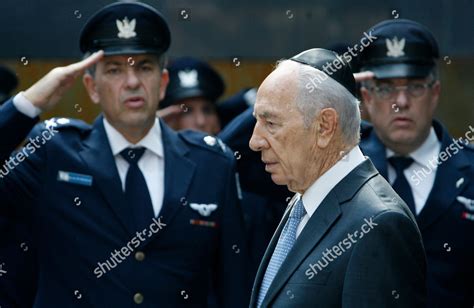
x=123 y=210
x=429 y=169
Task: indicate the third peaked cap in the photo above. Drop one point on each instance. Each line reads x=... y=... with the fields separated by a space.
x=403 y=49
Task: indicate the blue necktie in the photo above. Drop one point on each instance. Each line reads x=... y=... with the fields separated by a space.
x=136 y=190
x=401 y=185
x=285 y=243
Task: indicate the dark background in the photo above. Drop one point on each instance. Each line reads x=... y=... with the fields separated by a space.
x=243 y=39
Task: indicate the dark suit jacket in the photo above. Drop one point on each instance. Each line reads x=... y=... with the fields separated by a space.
x=447 y=231
x=384 y=267
x=73 y=239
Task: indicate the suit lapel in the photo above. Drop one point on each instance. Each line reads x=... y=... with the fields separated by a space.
x=444 y=190
x=316 y=228
x=98 y=156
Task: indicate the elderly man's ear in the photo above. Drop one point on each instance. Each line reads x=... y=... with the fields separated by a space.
x=327 y=122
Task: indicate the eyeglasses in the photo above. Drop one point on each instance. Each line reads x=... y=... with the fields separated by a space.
x=412 y=89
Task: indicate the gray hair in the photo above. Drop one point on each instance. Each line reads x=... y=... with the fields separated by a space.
x=314 y=96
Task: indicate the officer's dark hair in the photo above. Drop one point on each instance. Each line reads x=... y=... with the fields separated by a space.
x=162 y=60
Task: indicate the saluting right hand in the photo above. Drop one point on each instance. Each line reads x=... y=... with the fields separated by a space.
x=47 y=91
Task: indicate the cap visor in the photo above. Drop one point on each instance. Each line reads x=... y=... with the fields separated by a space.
x=174 y=98
x=123 y=50
x=400 y=70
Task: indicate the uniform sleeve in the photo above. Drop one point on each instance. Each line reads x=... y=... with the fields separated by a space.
x=387 y=267
x=232 y=283
x=14 y=126
x=20 y=170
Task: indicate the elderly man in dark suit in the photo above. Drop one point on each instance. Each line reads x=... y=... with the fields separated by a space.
x=125 y=212
x=347 y=239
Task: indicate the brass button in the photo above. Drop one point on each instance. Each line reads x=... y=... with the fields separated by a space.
x=138 y=298
x=139 y=256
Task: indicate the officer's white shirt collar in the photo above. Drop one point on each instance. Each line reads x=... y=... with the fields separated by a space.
x=428 y=150
x=152 y=141
x=151 y=163
x=316 y=193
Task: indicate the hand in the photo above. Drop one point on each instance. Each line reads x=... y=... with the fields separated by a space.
x=169 y=113
x=47 y=91
x=362 y=76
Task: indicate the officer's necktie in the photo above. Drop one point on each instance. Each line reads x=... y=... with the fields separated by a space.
x=136 y=190
x=283 y=247
x=401 y=185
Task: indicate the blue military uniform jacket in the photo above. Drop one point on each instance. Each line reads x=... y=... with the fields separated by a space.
x=446 y=221
x=71 y=189
x=18 y=269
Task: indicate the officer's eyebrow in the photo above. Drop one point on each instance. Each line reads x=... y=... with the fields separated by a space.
x=146 y=61
x=112 y=62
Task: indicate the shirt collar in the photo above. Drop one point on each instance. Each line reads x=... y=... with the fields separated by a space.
x=152 y=141
x=316 y=193
x=428 y=150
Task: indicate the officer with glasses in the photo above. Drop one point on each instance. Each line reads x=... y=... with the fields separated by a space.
x=430 y=170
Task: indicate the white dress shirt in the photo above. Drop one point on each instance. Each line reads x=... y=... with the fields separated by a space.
x=23 y=105
x=316 y=193
x=420 y=188
x=151 y=164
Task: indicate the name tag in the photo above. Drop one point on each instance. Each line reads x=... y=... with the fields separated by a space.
x=75 y=178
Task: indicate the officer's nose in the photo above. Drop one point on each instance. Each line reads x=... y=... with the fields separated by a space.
x=402 y=99
x=132 y=80
x=257 y=141
x=200 y=119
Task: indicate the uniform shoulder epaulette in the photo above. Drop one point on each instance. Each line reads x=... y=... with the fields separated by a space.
x=60 y=124
x=64 y=123
x=208 y=142
x=470 y=147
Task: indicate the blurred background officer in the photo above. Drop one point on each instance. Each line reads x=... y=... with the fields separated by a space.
x=235 y=105
x=17 y=251
x=404 y=143
x=8 y=83
x=263 y=202
x=191 y=96
x=123 y=212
